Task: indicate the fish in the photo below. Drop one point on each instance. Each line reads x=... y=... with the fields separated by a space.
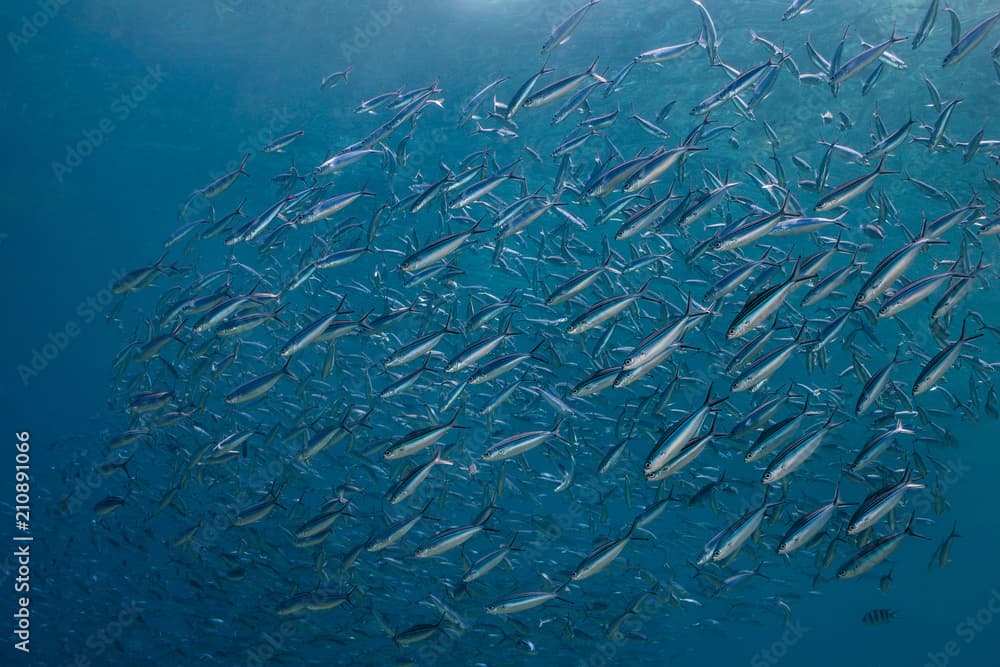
x=890 y=268
x=108 y=504
x=796 y=8
x=561 y=88
x=518 y=602
x=809 y=526
x=766 y=302
x=331 y=80
x=489 y=562
x=408 y=484
x=520 y=443
x=224 y=182
x=254 y=512
x=878 y=617
x=878 y=444
x=875 y=552
x=564 y=29
x=881 y=502
x=942 y=554
x=284 y=141
x=669 y=445
x=460 y=297
x=260 y=385
x=602 y=557
x=736 y=535
x=941 y=362
x=521 y=96
x=855 y=65
x=913 y=293
x=604 y=310
x=849 y=190
x=664 y=53
x=926 y=24
x=969 y=40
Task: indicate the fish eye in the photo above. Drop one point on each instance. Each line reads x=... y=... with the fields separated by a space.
x=731 y=332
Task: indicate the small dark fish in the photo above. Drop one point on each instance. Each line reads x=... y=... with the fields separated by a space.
x=878 y=617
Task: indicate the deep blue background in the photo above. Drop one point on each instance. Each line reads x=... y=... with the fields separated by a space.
x=230 y=71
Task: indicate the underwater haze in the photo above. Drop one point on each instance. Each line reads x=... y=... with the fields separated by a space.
x=501 y=332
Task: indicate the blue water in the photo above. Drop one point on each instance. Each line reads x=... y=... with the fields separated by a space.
x=117 y=111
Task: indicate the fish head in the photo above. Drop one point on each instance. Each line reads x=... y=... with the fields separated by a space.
x=637 y=360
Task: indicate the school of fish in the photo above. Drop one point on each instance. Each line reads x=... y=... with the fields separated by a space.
x=465 y=406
